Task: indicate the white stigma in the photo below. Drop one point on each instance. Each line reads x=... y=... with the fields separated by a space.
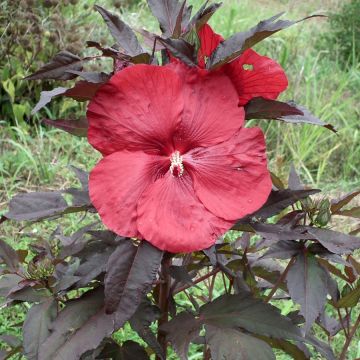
x=176 y=167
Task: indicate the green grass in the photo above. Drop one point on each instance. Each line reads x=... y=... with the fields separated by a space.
x=33 y=158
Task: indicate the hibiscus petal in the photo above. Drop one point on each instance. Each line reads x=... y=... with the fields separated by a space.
x=209 y=41
x=255 y=75
x=117 y=182
x=231 y=179
x=172 y=218
x=211 y=113
x=138 y=109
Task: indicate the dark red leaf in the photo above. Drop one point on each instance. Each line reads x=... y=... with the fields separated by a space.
x=298 y=351
x=36 y=206
x=146 y=314
x=253 y=315
x=294 y=182
x=75 y=127
x=129 y=277
x=92 y=77
x=37 y=327
x=41 y=205
x=167 y=13
x=289 y=112
x=338 y=204
x=351 y=299
x=94 y=257
x=57 y=68
x=179 y=20
x=203 y=15
x=121 y=32
x=46 y=97
x=283 y=250
x=280 y=200
x=334 y=241
x=130 y=350
x=235 y=344
x=353 y=212
x=181 y=49
x=276 y=232
x=329 y=324
x=181 y=330
x=307 y=282
x=233 y=47
x=79 y=327
x=8 y=282
x=9 y=256
x=106 y=51
x=82 y=91
x=117 y=269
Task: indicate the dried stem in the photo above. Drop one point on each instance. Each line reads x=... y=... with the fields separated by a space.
x=280 y=280
x=349 y=338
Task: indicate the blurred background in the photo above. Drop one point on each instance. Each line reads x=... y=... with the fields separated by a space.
x=320 y=56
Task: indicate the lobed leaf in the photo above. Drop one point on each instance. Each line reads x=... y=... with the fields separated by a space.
x=75 y=127
x=117 y=270
x=9 y=256
x=91 y=76
x=181 y=49
x=253 y=315
x=307 y=282
x=79 y=327
x=338 y=204
x=136 y=282
x=203 y=15
x=168 y=13
x=42 y=205
x=280 y=232
x=278 y=201
x=334 y=241
x=146 y=314
x=234 y=46
x=46 y=97
x=121 y=32
x=57 y=68
x=351 y=299
x=283 y=250
x=289 y=112
x=353 y=212
x=36 y=327
x=235 y=344
x=130 y=350
x=82 y=91
x=181 y=330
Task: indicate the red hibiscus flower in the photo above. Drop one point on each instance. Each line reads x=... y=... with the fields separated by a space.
x=178 y=168
x=252 y=75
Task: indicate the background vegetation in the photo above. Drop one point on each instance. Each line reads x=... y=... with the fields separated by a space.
x=320 y=57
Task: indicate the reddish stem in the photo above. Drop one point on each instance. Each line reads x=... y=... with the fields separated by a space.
x=280 y=280
x=349 y=338
x=198 y=280
x=163 y=302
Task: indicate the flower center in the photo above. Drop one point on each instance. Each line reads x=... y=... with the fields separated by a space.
x=176 y=167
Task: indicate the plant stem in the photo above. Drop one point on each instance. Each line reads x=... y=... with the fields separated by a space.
x=200 y=279
x=163 y=302
x=349 y=338
x=342 y=323
x=280 y=280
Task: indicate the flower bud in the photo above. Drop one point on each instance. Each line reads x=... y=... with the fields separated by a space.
x=324 y=215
